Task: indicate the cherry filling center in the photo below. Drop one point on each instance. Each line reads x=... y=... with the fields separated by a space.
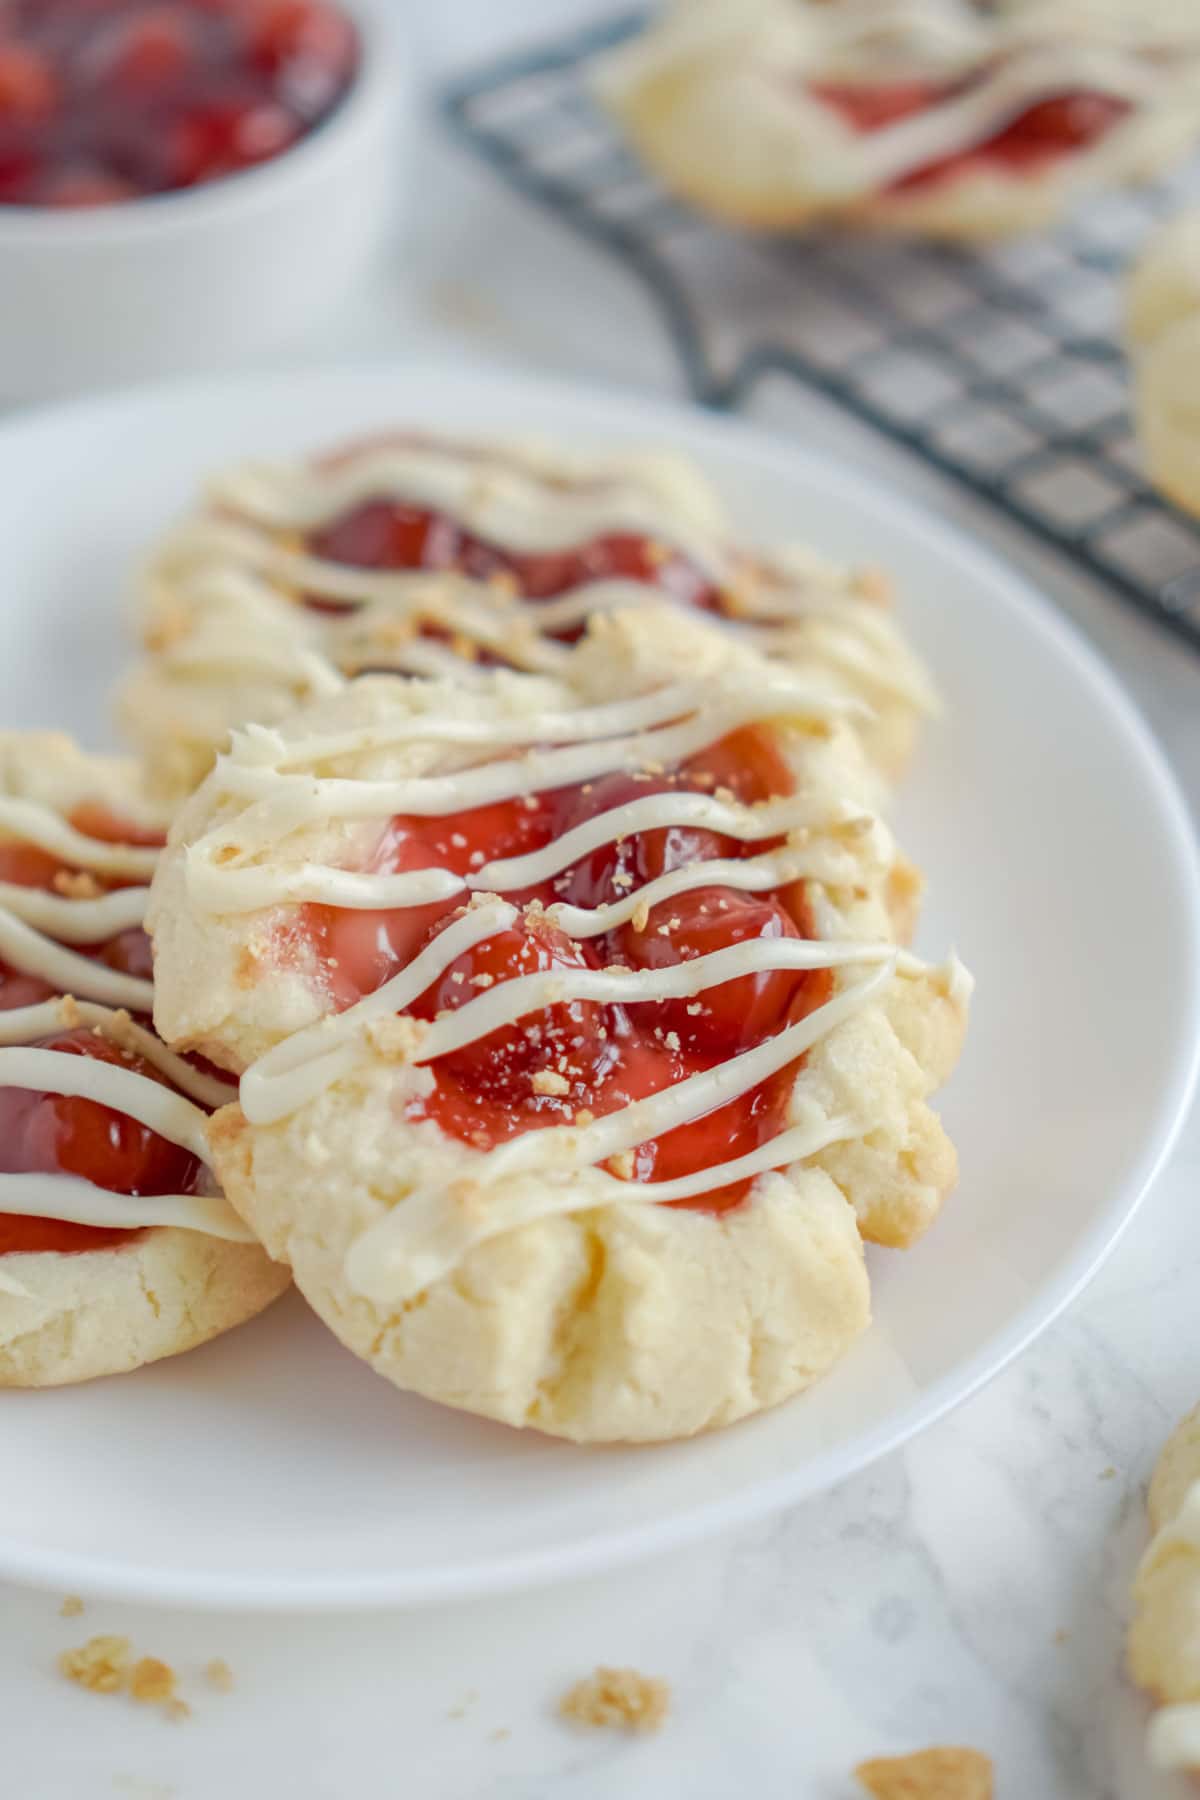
x=382 y=534
x=60 y=1134
x=577 y=1058
x=1046 y=130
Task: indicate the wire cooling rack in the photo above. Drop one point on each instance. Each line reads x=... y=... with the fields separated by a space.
x=1001 y=367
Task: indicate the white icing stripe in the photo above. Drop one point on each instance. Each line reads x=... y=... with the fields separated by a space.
x=231 y=889
x=572 y=1146
x=35 y=824
x=505 y=505
x=26 y=1024
x=75 y=921
x=506 y=779
x=34 y=954
x=752 y=875
x=586 y=724
x=654 y=812
x=510 y=1001
x=72 y=1201
x=124 y=1090
x=393 y=1266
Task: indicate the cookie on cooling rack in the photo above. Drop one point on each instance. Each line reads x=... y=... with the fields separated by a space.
x=116 y=1246
x=576 y=1051
x=1164 y=1638
x=947 y=117
x=1163 y=328
x=432 y=557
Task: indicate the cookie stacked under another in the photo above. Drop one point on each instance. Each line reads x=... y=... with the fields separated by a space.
x=432 y=557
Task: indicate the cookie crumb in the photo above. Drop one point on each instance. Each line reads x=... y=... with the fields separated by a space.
x=501 y=1734
x=100 y=1665
x=1109 y=1474
x=219 y=1675
x=71 y=1607
x=549 y=1081
x=617 y=1699
x=176 y=1710
x=152 y=1681
x=947 y=1772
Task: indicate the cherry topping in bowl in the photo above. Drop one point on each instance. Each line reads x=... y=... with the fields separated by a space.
x=108 y=100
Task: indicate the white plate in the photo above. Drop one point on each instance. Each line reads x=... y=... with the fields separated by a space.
x=271 y=1469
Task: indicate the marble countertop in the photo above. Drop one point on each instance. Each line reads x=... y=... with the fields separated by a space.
x=971 y=1589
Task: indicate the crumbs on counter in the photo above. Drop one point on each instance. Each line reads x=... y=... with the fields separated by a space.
x=106 y=1665
x=947 y=1772
x=71 y=1607
x=617 y=1699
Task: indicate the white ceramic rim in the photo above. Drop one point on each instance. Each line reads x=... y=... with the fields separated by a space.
x=308 y=1591
x=147 y=215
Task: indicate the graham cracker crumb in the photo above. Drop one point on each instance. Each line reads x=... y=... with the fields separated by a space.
x=617 y=1699
x=77 y=884
x=69 y=1013
x=100 y=1665
x=549 y=1081
x=71 y=1607
x=395 y=1037
x=946 y=1772
x=501 y=1734
x=622 y=1165
x=152 y=1681
x=219 y=1675
x=177 y=1710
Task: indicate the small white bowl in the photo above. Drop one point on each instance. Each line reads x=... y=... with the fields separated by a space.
x=205 y=276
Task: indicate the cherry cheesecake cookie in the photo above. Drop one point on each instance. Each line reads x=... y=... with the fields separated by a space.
x=1164 y=1639
x=577 y=1055
x=430 y=557
x=116 y=1245
x=959 y=118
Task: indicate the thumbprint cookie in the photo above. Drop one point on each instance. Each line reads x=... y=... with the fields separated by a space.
x=435 y=558
x=116 y=1245
x=957 y=118
x=577 y=1055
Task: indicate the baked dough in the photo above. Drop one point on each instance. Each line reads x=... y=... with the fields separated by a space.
x=568 y=1303
x=1164 y=1638
x=71 y=1317
x=229 y=638
x=1163 y=325
x=718 y=98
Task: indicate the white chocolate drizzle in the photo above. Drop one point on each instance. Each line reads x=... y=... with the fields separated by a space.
x=35 y=929
x=993 y=65
x=252 y=543
x=241 y=863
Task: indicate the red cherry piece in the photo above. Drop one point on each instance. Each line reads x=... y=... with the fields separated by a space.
x=52 y=1133
x=377 y=535
x=291 y=31
x=95 y=821
x=617 y=869
x=872 y=108
x=737 y=1014
x=29 y=90
x=539 y=1069
x=84 y=188
x=151 y=52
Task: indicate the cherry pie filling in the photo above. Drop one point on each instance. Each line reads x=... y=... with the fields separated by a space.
x=108 y=100
x=385 y=534
x=1045 y=131
x=583 y=1058
x=51 y=1134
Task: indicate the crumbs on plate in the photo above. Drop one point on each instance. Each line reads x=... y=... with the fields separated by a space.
x=617 y=1699
x=71 y=1607
x=947 y=1772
